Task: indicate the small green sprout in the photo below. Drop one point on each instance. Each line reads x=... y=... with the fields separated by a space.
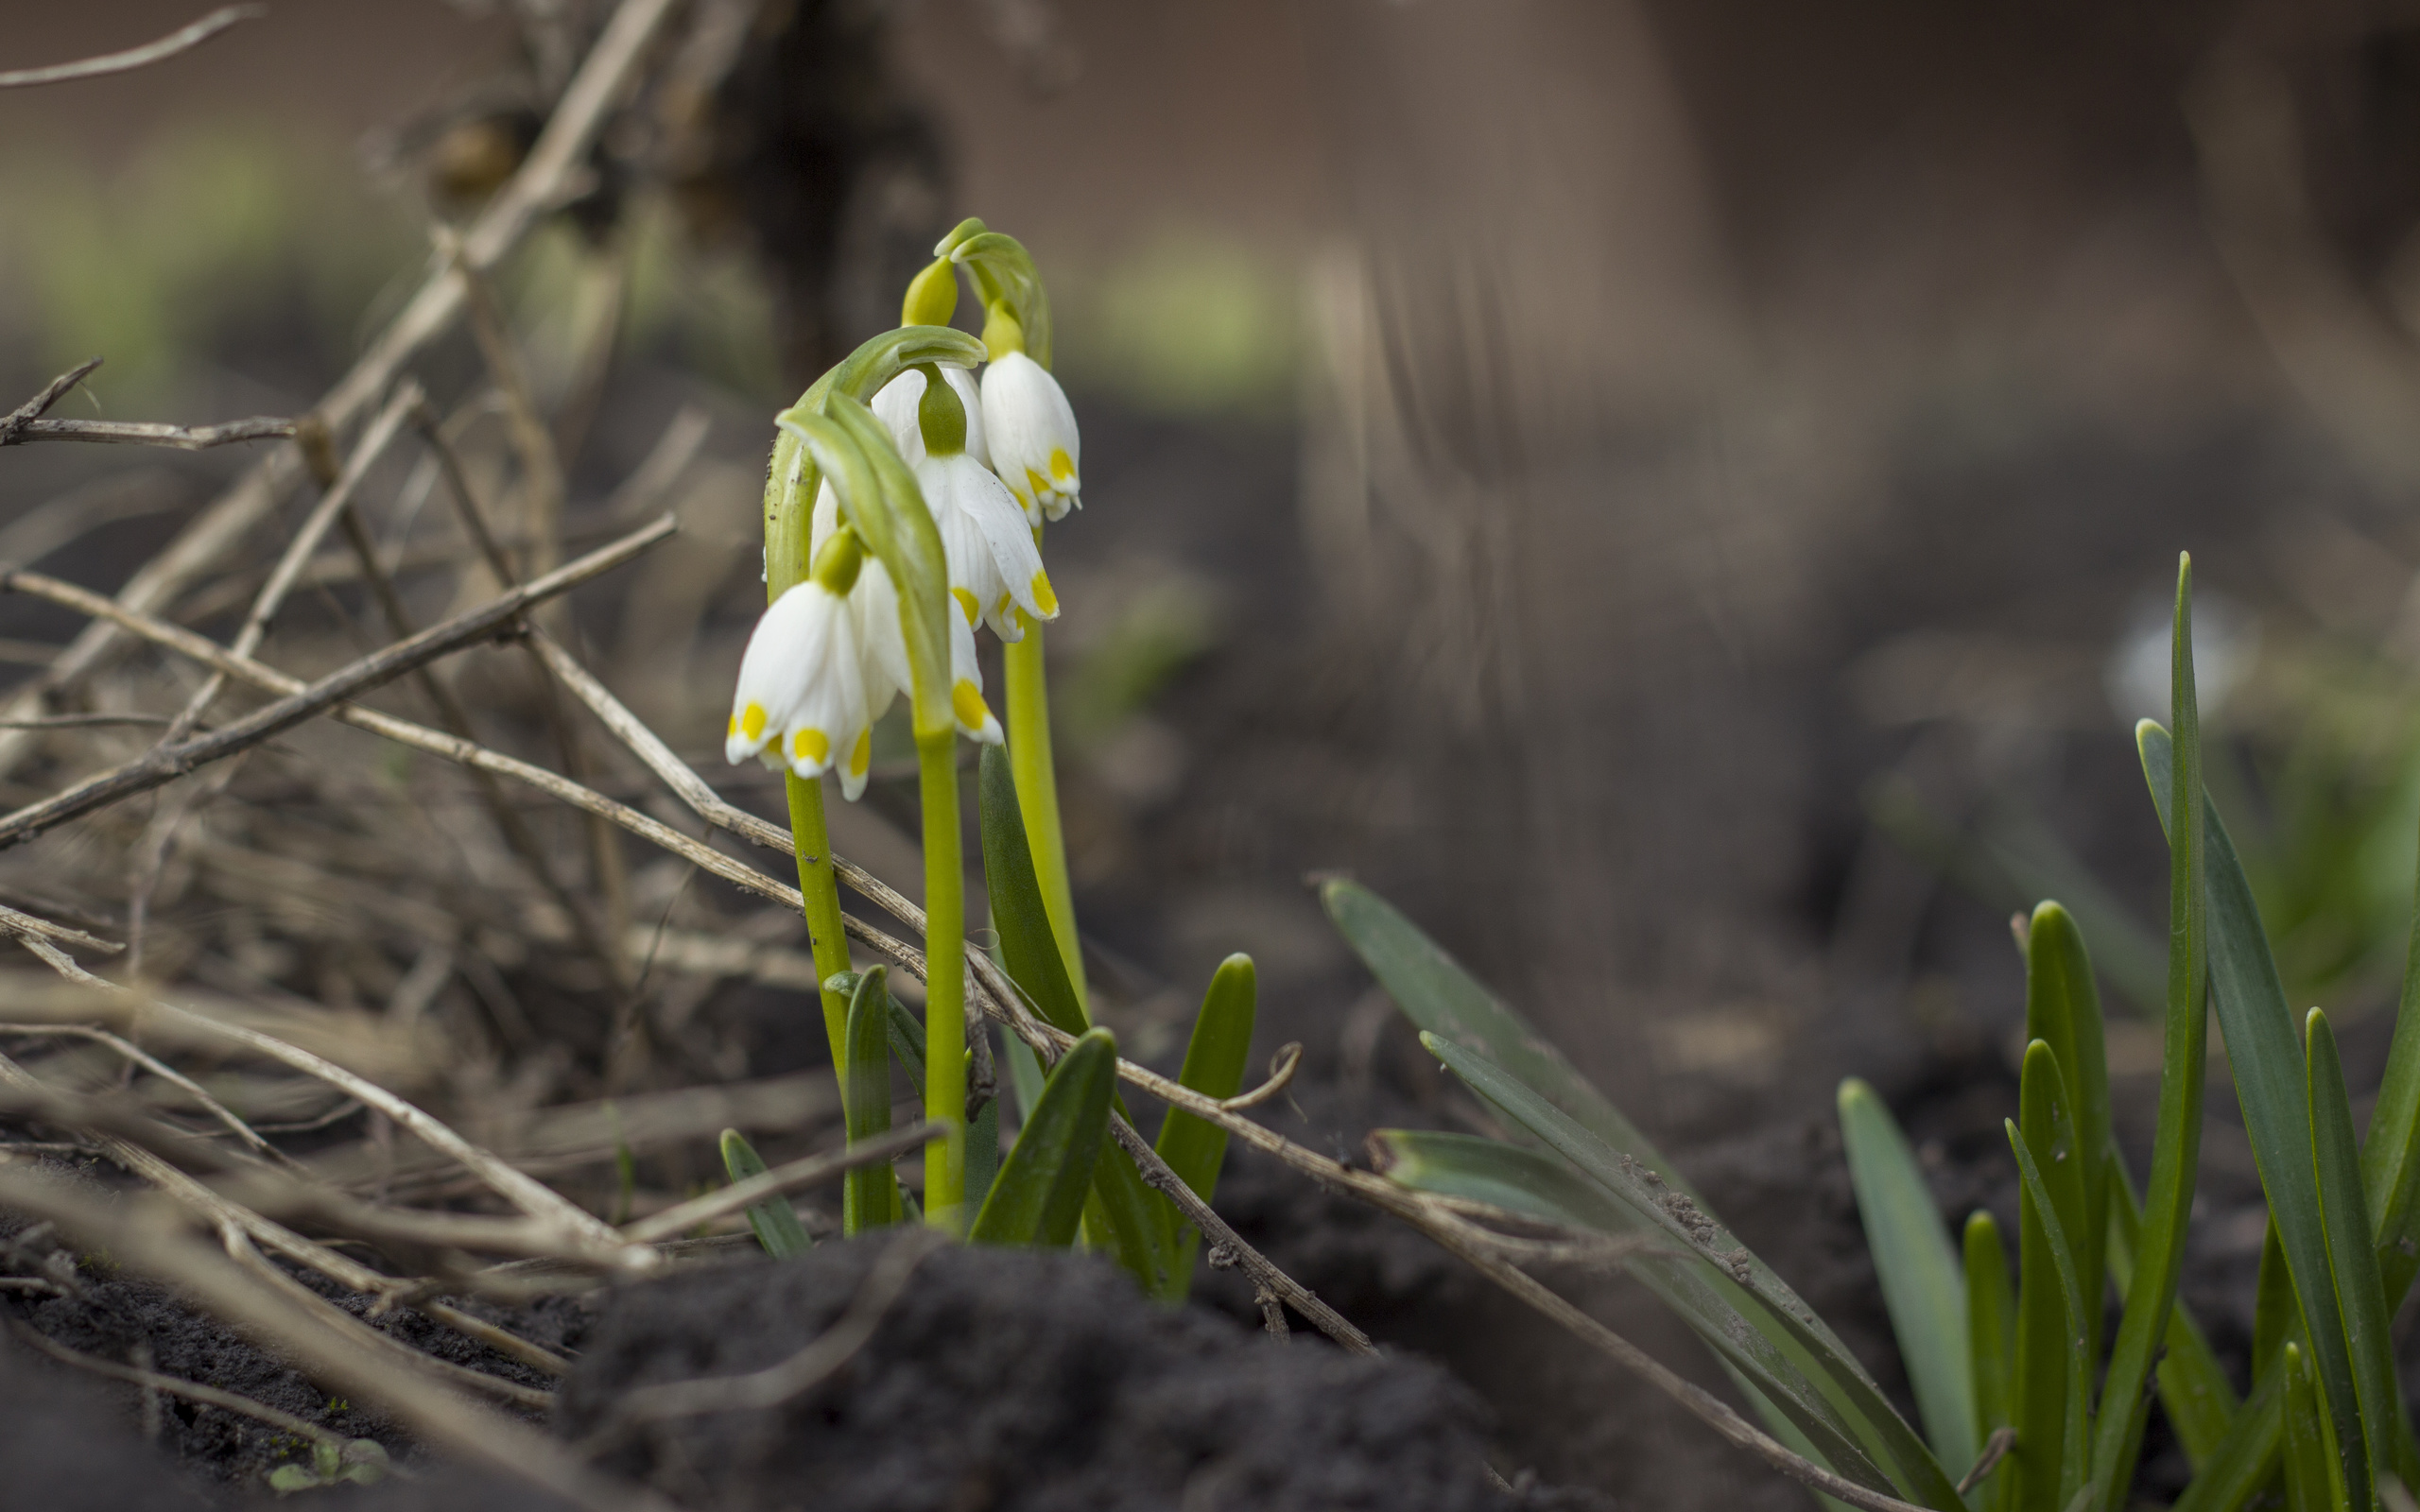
x=362 y=1462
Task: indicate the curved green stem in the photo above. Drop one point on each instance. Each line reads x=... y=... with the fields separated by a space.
x=1028 y=699
x=944 y=983
x=822 y=893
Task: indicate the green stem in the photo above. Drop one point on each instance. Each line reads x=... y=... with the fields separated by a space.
x=1028 y=697
x=824 y=930
x=944 y=983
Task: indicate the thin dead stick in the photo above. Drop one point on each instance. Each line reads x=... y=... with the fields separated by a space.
x=778 y=1181
x=512 y=1346
x=210 y=653
x=52 y=392
x=552 y=163
x=338 y=499
x=165 y=1072
x=176 y=1386
x=150 y=433
x=183 y=39
x=168 y=763
x=23 y=924
x=806 y=1369
x=531 y=1195
x=2003 y=1439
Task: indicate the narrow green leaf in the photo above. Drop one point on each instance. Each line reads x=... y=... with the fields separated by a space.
x=904 y=1030
x=2391 y=1155
x=2063 y=1009
x=1126 y=1215
x=869 y=1193
x=2247 y=1457
x=2053 y=1368
x=1991 y=1326
x=1702 y=1293
x=1039 y=1196
x=1025 y=1070
x=1648 y=1195
x=2192 y=1385
x=1440 y=997
x=1214 y=1058
x=982 y=1152
x=1922 y=1288
x=774 y=1220
x=2265 y=1053
x=2275 y=1315
x=2309 y=1478
x=2385 y=1431
x=2176 y=1143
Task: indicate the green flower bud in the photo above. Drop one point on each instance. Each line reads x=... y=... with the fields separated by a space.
x=932 y=295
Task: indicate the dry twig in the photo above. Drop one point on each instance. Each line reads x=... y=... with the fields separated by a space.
x=184 y=38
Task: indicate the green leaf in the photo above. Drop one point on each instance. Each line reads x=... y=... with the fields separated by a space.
x=2247 y=1457
x=774 y=1220
x=2266 y=1057
x=982 y=1152
x=2391 y=1156
x=1646 y=1194
x=1990 y=1325
x=2353 y=1262
x=1133 y=1220
x=869 y=1193
x=2176 y=1143
x=2311 y=1478
x=2192 y=1385
x=1922 y=1286
x=1214 y=1058
x=2275 y=1315
x=1039 y=1196
x=1440 y=997
x=2053 y=1366
x=1025 y=1070
x=1700 y=1293
x=2063 y=1009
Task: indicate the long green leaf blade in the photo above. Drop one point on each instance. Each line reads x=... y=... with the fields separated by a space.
x=869 y=1193
x=2265 y=1053
x=2053 y=1370
x=2063 y=1009
x=1990 y=1325
x=2385 y=1432
x=2310 y=1479
x=1440 y=997
x=2193 y=1387
x=1922 y=1288
x=1538 y=1186
x=775 y=1221
x=2391 y=1155
x=1645 y=1192
x=1214 y=1058
x=1127 y=1216
x=1038 y=1197
x=2176 y=1143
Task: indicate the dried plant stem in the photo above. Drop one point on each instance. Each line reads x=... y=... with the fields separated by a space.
x=238 y=1293
x=184 y=38
x=174 y=1386
x=151 y=432
x=52 y=392
x=539 y=184
x=166 y=1072
x=782 y=1179
x=167 y=763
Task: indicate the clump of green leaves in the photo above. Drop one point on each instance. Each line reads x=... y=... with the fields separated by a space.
x=2004 y=1365
x=361 y=1461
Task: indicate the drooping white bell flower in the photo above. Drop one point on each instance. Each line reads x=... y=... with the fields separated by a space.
x=802 y=696
x=995 y=568
x=895 y=404
x=1031 y=432
x=875 y=602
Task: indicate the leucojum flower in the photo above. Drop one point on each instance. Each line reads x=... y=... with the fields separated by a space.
x=904 y=511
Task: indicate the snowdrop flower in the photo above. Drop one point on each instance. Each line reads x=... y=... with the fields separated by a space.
x=994 y=569
x=875 y=601
x=1032 y=431
x=897 y=403
x=801 y=697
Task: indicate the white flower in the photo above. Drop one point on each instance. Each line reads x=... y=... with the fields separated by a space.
x=994 y=566
x=875 y=602
x=1032 y=431
x=896 y=405
x=802 y=693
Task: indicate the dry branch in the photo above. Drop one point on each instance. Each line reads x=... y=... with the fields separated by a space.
x=183 y=39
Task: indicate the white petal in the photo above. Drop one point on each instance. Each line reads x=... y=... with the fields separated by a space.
x=875 y=599
x=975 y=719
x=1031 y=428
x=896 y=403
x=1017 y=561
x=774 y=672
